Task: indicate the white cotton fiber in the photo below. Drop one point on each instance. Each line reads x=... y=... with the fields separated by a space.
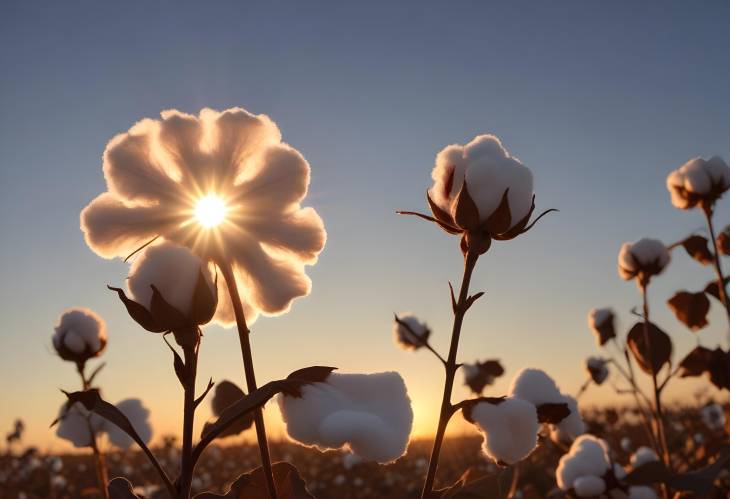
x=588 y=456
x=509 y=429
x=643 y=455
x=173 y=270
x=369 y=414
x=535 y=386
x=76 y=425
x=81 y=330
x=589 y=486
x=573 y=424
x=138 y=415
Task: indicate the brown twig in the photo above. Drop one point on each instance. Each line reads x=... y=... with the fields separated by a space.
x=722 y=291
x=102 y=474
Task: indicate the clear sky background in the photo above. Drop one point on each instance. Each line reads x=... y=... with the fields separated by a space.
x=600 y=99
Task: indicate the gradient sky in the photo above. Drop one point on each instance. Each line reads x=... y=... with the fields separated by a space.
x=600 y=99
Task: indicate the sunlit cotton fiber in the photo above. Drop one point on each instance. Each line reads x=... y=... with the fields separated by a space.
x=370 y=414
x=80 y=333
x=509 y=429
x=698 y=180
x=138 y=415
x=588 y=456
x=646 y=256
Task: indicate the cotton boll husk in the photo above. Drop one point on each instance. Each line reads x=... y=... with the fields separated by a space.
x=588 y=456
x=368 y=413
x=589 y=486
x=643 y=455
x=138 y=415
x=509 y=427
x=573 y=424
x=642 y=492
x=536 y=387
x=81 y=330
x=173 y=270
x=73 y=425
x=489 y=170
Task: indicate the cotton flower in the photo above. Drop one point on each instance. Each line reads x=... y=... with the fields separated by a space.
x=596 y=369
x=642 y=456
x=80 y=335
x=369 y=414
x=479 y=375
x=588 y=457
x=222 y=184
x=77 y=425
x=699 y=182
x=713 y=416
x=480 y=192
x=602 y=323
x=509 y=427
x=138 y=415
x=409 y=333
x=643 y=259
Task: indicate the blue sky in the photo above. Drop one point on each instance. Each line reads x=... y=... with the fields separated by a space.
x=600 y=99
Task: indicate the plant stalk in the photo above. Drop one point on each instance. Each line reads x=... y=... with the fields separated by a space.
x=102 y=475
x=451 y=367
x=186 y=469
x=248 y=368
x=717 y=264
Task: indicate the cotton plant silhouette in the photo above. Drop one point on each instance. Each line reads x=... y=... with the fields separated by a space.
x=482 y=194
x=698 y=183
x=193 y=196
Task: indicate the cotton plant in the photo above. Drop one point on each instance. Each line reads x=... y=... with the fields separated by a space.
x=480 y=193
x=226 y=187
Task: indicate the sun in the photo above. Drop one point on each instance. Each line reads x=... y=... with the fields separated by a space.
x=210 y=211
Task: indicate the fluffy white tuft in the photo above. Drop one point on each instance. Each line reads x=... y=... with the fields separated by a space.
x=76 y=424
x=369 y=414
x=589 y=486
x=696 y=179
x=588 y=456
x=80 y=330
x=509 y=428
x=645 y=255
x=409 y=333
x=536 y=387
x=138 y=415
x=643 y=455
x=489 y=170
x=573 y=425
x=173 y=270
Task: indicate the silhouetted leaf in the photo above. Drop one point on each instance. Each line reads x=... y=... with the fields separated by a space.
x=552 y=413
x=697 y=248
x=138 y=312
x=466 y=215
x=306 y=376
x=226 y=394
x=121 y=488
x=696 y=363
x=713 y=289
x=467 y=406
x=288 y=483
x=660 y=347
x=719 y=368
x=690 y=308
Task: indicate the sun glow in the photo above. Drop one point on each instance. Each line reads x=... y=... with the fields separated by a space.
x=210 y=211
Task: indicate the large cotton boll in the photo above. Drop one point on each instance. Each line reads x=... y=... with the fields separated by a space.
x=509 y=428
x=138 y=415
x=369 y=413
x=536 y=387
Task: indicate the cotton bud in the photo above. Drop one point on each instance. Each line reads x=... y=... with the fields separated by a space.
x=643 y=259
x=713 y=416
x=699 y=182
x=642 y=456
x=479 y=375
x=597 y=369
x=509 y=427
x=602 y=323
x=138 y=415
x=409 y=333
x=588 y=457
x=79 y=426
x=171 y=290
x=369 y=414
x=80 y=335
x=481 y=192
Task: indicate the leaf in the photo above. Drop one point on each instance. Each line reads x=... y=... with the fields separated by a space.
x=500 y=220
x=178 y=364
x=306 y=376
x=719 y=369
x=697 y=248
x=467 y=213
x=467 y=406
x=226 y=394
x=690 y=308
x=205 y=300
x=138 y=313
x=552 y=413
x=92 y=401
x=660 y=346
x=696 y=363
x=287 y=481
x=713 y=289
x=121 y=488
